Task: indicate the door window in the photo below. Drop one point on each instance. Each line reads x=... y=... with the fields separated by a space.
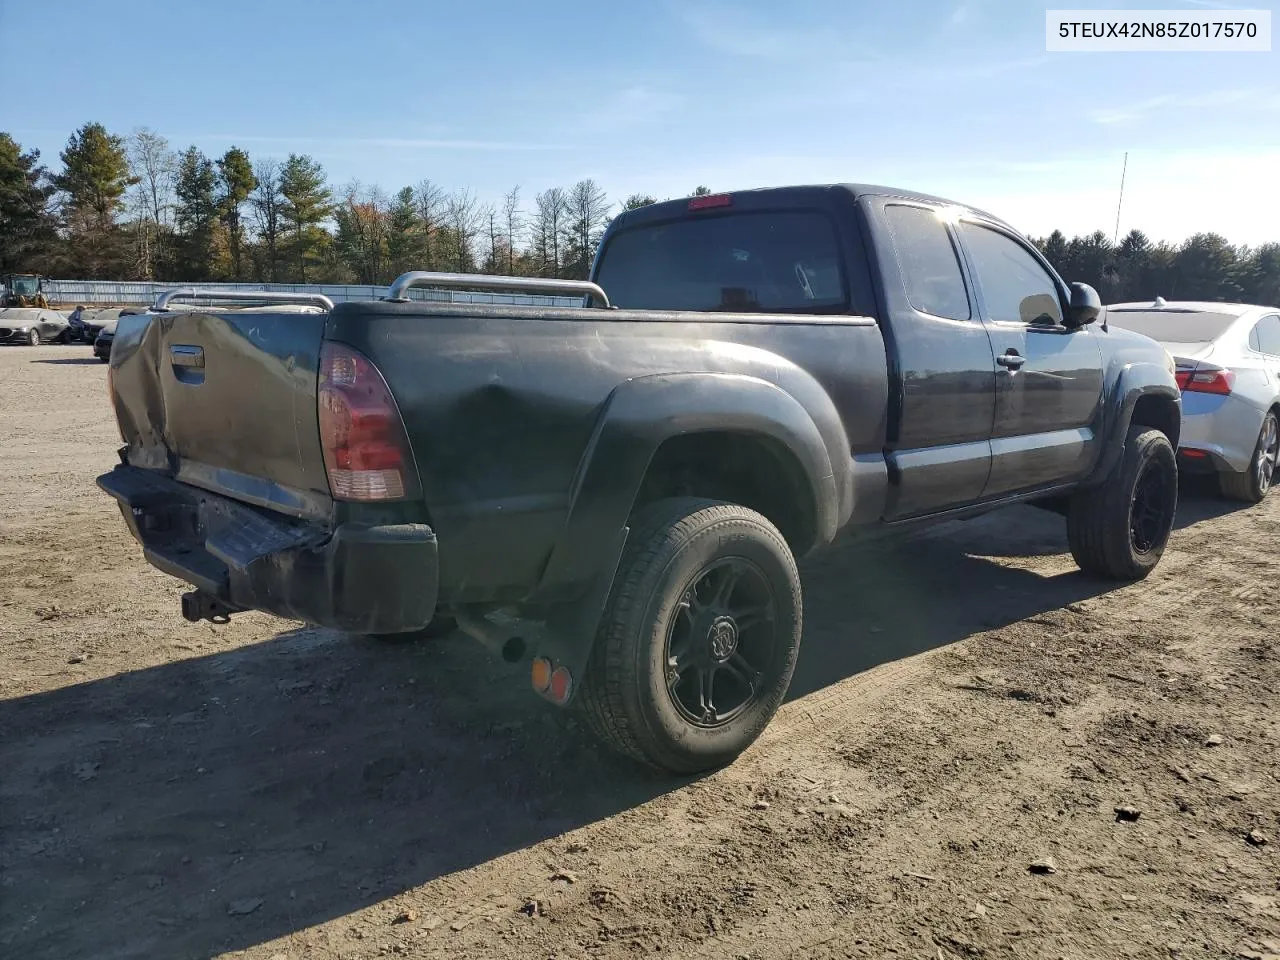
x=927 y=261
x=1014 y=284
x=1266 y=336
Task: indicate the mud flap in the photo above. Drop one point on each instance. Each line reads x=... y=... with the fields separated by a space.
x=570 y=631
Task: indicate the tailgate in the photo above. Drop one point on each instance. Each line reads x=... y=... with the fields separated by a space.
x=225 y=401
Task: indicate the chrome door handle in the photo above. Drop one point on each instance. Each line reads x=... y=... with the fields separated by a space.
x=1011 y=360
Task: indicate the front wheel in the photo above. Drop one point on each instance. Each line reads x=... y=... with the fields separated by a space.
x=700 y=636
x=1119 y=529
x=33 y=338
x=1252 y=485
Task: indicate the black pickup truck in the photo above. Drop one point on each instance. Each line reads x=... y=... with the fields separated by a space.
x=615 y=492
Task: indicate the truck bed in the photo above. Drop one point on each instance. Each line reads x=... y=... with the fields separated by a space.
x=501 y=405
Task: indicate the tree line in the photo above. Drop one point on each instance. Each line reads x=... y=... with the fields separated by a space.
x=134 y=208
x=1203 y=267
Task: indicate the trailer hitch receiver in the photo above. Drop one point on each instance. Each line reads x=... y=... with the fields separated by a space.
x=197 y=606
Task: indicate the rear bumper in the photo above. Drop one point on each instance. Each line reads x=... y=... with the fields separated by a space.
x=1225 y=428
x=364 y=579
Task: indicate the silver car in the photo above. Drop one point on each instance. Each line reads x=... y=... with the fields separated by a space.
x=1228 y=366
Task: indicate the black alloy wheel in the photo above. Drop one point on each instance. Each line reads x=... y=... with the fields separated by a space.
x=722 y=636
x=1154 y=500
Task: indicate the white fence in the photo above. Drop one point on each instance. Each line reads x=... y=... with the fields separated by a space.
x=68 y=293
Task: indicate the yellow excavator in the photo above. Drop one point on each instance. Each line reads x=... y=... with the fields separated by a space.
x=24 y=290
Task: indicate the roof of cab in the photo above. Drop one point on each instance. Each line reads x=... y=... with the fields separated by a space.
x=666 y=208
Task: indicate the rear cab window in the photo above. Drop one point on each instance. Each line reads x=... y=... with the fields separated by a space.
x=928 y=262
x=768 y=261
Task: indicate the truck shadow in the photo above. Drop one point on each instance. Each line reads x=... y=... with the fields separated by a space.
x=1199 y=500
x=219 y=802
x=864 y=607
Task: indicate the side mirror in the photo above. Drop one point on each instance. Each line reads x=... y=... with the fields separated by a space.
x=1084 y=307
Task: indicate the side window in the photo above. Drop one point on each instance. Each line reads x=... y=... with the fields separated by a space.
x=928 y=262
x=1014 y=284
x=1268 y=334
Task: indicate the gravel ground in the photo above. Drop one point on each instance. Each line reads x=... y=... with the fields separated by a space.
x=968 y=710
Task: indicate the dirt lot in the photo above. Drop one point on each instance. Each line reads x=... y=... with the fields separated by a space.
x=966 y=704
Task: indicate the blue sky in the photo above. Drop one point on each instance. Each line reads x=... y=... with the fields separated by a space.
x=956 y=97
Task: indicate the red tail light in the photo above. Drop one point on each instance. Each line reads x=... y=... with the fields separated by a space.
x=1182 y=376
x=711 y=200
x=366 y=453
x=1207 y=380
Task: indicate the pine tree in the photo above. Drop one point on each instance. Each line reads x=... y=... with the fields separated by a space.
x=27 y=225
x=361 y=237
x=237 y=182
x=94 y=179
x=307 y=203
x=1131 y=260
x=195 y=185
x=1207 y=269
x=1260 y=274
x=95 y=172
x=404 y=235
x=638 y=200
x=1054 y=248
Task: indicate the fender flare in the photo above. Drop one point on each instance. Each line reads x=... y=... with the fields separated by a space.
x=639 y=415
x=1136 y=381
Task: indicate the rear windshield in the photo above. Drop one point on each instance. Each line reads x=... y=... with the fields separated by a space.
x=741 y=262
x=1173 y=326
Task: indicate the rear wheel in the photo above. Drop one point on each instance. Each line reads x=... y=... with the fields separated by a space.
x=1119 y=529
x=700 y=636
x=1252 y=485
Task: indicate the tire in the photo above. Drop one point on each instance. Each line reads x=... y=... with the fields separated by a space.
x=1119 y=530
x=33 y=338
x=1252 y=485
x=438 y=628
x=669 y=624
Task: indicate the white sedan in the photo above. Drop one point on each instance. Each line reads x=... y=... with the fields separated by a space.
x=1228 y=366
